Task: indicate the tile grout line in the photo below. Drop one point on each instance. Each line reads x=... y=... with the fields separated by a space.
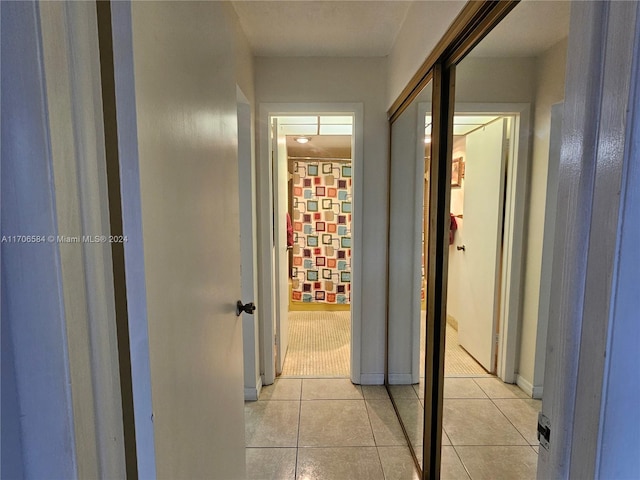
x=295 y=470
x=455 y=450
x=455 y=447
x=375 y=442
x=505 y=416
x=514 y=426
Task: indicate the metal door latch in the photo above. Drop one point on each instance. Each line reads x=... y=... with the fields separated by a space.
x=544 y=430
x=247 y=308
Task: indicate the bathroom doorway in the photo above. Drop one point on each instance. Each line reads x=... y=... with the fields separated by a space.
x=314 y=194
x=318 y=217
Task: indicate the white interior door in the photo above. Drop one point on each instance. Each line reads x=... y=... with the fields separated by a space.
x=280 y=206
x=481 y=237
x=189 y=200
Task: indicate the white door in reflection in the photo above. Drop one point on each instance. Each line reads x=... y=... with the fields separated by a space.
x=480 y=239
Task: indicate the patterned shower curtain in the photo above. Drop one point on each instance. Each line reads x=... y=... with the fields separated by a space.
x=322 y=231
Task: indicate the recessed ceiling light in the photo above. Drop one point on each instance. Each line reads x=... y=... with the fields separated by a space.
x=302 y=139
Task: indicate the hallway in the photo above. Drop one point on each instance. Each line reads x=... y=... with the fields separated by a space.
x=140 y=306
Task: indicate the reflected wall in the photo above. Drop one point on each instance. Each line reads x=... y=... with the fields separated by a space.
x=410 y=157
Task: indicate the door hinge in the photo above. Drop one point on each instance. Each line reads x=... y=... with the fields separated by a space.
x=497 y=338
x=544 y=430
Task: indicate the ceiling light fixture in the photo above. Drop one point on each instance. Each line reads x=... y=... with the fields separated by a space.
x=302 y=139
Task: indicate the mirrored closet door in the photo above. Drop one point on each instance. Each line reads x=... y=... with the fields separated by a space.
x=499 y=107
x=408 y=240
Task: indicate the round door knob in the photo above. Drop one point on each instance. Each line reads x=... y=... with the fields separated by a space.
x=246 y=308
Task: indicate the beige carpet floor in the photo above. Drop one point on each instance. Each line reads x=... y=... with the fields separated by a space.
x=319 y=344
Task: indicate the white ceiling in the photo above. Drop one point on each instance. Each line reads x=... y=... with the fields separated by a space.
x=369 y=28
x=531 y=28
x=321 y=28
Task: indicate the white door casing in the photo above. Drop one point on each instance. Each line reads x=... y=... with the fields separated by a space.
x=280 y=207
x=481 y=238
x=267 y=276
x=591 y=383
x=248 y=245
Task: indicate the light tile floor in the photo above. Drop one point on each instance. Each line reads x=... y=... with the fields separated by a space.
x=489 y=430
x=325 y=429
x=330 y=429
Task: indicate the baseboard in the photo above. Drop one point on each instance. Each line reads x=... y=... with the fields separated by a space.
x=372 y=379
x=537 y=393
x=400 y=379
x=528 y=388
x=251 y=394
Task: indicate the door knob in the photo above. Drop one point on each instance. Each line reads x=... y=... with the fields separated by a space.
x=458 y=247
x=247 y=308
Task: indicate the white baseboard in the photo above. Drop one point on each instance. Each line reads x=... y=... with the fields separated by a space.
x=531 y=390
x=400 y=379
x=372 y=379
x=537 y=393
x=251 y=394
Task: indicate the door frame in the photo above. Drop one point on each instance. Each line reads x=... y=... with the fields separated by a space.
x=248 y=244
x=513 y=227
x=281 y=270
x=121 y=130
x=266 y=267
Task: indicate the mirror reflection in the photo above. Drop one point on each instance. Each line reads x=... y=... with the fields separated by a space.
x=505 y=160
x=508 y=111
x=410 y=160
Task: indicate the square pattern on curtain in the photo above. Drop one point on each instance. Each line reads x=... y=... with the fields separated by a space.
x=322 y=232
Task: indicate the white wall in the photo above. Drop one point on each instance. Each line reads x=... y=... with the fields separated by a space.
x=348 y=80
x=550 y=68
x=499 y=80
x=405 y=240
x=186 y=105
x=243 y=58
x=424 y=25
x=403 y=301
